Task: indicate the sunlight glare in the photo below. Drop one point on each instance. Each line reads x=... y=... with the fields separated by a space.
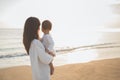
x=82 y=56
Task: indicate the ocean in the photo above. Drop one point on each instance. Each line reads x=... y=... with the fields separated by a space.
x=12 y=52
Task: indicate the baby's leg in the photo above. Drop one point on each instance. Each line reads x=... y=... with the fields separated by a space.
x=51 y=68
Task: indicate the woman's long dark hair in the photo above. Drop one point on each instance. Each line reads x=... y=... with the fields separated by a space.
x=31 y=28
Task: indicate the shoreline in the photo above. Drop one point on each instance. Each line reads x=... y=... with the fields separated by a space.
x=76 y=56
x=107 y=69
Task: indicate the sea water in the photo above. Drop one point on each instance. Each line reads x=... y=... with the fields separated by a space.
x=83 y=48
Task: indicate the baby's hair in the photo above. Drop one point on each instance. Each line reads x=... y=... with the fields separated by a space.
x=46 y=24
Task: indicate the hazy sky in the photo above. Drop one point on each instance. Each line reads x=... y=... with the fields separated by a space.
x=71 y=19
x=63 y=13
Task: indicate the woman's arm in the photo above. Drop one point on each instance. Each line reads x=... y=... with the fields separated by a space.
x=43 y=56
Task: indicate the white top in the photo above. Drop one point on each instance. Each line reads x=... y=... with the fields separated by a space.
x=39 y=61
x=48 y=42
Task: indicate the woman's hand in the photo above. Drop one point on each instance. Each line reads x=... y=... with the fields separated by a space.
x=52 y=54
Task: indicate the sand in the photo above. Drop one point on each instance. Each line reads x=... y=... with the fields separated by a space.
x=108 y=69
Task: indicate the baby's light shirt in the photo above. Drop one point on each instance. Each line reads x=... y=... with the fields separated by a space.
x=48 y=42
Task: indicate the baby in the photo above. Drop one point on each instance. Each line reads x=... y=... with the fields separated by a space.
x=48 y=41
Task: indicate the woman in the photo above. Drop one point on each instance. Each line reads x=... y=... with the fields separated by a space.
x=39 y=59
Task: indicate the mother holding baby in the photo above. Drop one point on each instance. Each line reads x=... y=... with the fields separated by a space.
x=40 y=60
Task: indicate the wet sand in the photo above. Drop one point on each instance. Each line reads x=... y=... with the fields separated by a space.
x=108 y=69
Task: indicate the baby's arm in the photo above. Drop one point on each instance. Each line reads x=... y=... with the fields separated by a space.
x=50 y=52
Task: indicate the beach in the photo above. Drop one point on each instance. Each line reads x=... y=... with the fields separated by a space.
x=88 y=60
x=85 y=32
x=107 y=69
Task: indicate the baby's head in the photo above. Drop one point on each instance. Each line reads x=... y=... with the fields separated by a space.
x=46 y=26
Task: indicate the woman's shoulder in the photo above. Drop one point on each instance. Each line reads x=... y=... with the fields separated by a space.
x=36 y=41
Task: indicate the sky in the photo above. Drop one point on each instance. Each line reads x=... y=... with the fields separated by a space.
x=66 y=13
x=69 y=17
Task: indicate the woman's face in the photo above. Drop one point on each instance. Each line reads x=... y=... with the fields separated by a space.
x=38 y=30
x=43 y=30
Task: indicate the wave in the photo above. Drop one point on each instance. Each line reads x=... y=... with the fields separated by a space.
x=61 y=50
x=95 y=46
x=10 y=48
x=13 y=55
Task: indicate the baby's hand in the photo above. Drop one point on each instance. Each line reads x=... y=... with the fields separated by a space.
x=51 y=53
